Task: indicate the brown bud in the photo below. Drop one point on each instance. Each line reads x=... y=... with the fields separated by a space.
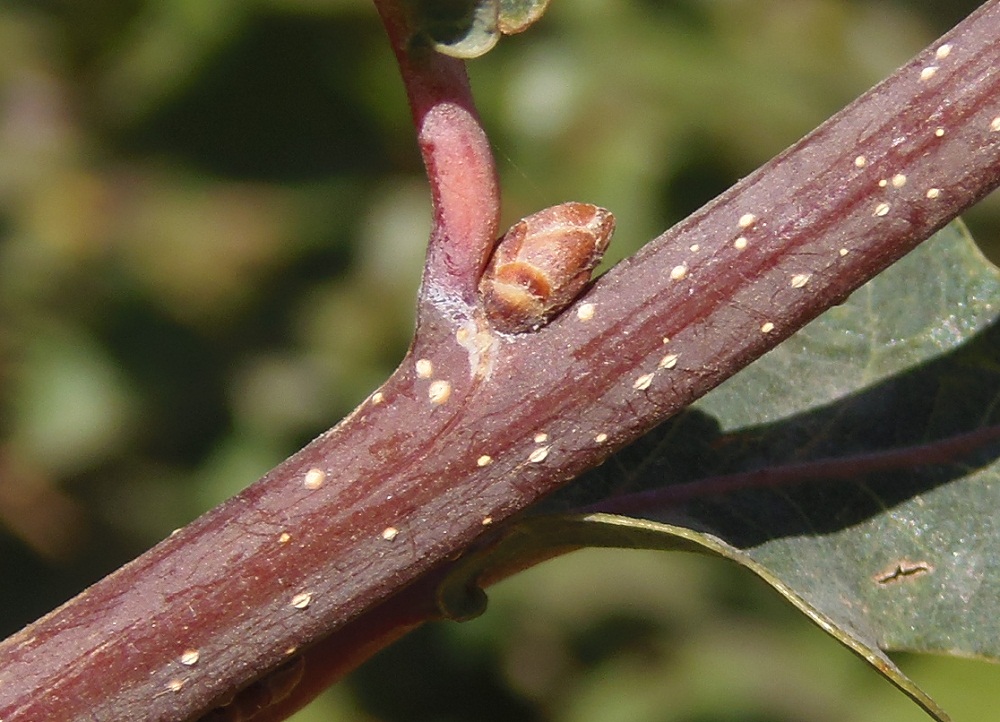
x=543 y=263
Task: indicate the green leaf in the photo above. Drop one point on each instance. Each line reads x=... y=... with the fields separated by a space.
x=459 y=28
x=470 y=28
x=854 y=468
x=533 y=541
x=516 y=16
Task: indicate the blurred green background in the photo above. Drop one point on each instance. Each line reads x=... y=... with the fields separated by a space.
x=212 y=219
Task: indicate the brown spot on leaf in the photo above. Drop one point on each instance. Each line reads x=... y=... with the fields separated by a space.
x=903 y=570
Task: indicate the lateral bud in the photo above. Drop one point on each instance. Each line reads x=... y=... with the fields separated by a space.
x=542 y=264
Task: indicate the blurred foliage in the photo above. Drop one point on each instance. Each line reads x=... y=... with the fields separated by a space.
x=212 y=217
x=470 y=28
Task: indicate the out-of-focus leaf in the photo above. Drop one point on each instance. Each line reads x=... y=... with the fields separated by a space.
x=74 y=407
x=855 y=469
x=516 y=16
x=459 y=28
x=470 y=28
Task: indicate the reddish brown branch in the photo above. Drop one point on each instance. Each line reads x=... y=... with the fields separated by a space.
x=458 y=158
x=474 y=427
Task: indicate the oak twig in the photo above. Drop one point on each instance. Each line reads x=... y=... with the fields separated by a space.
x=342 y=541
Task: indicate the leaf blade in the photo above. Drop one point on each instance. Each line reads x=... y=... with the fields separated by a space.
x=863 y=498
